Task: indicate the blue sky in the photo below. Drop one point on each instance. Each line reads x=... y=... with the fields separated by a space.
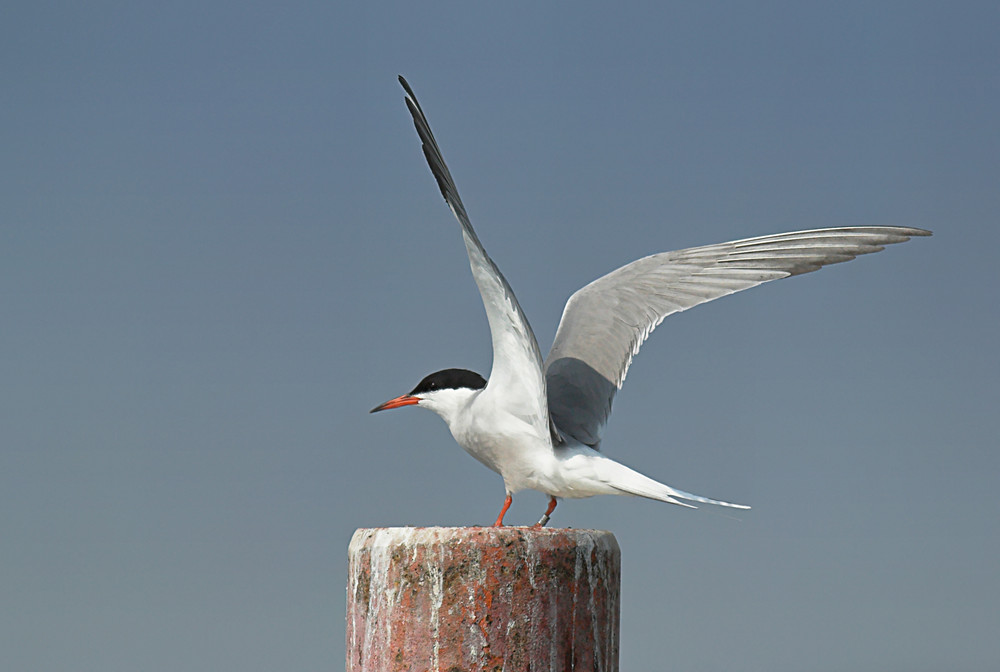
x=220 y=246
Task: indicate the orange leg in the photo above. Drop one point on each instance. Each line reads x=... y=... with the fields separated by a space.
x=548 y=512
x=503 y=511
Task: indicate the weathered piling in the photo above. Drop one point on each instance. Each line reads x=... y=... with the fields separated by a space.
x=441 y=599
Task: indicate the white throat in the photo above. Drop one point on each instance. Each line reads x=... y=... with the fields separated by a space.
x=449 y=403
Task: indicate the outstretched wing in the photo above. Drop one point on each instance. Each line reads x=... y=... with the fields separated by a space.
x=605 y=322
x=517 y=361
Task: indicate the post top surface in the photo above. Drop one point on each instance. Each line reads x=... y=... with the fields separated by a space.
x=434 y=536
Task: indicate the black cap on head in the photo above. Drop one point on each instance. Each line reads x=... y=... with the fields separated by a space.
x=450 y=379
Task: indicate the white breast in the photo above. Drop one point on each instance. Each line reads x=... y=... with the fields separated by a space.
x=505 y=442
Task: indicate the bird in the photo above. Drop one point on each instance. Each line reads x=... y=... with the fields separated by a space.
x=538 y=422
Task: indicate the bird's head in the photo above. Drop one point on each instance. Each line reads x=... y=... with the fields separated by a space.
x=443 y=392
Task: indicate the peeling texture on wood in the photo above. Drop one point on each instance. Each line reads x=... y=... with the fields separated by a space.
x=449 y=599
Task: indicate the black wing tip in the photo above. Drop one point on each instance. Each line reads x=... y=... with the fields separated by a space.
x=406 y=86
x=439 y=176
x=411 y=105
x=911 y=231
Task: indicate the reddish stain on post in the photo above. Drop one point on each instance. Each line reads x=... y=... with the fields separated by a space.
x=441 y=599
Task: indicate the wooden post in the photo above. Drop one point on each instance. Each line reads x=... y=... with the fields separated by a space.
x=471 y=599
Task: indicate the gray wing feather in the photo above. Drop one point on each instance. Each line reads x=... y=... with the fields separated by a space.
x=605 y=322
x=517 y=360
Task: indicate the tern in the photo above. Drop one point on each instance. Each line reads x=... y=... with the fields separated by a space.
x=538 y=422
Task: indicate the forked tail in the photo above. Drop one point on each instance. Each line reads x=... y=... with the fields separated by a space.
x=631 y=482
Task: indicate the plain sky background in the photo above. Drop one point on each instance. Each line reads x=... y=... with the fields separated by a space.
x=220 y=246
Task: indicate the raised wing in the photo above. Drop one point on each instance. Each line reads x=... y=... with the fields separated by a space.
x=605 y=322
x=517 y=361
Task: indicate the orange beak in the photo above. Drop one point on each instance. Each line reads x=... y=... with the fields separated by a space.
x=405 y=400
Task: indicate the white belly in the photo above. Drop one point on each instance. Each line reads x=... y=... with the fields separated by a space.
x=526 y=461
